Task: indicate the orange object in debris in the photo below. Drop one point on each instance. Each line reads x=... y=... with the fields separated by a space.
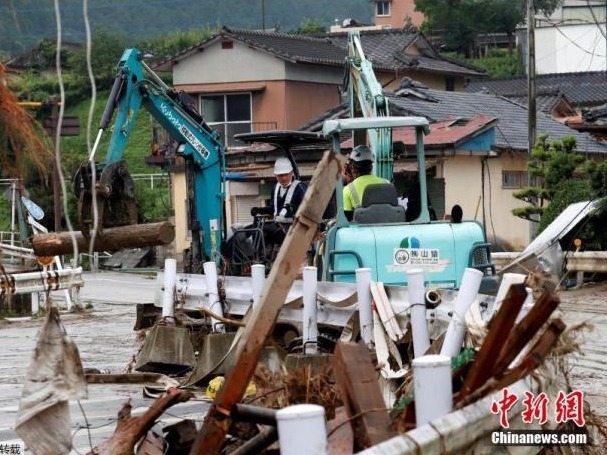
x=45 y=260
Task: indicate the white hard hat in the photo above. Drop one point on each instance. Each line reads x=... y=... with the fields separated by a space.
x=282 y=166
x=361 y=153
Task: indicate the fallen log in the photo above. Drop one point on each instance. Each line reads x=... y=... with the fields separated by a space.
x=129 y=430
x=111 y=239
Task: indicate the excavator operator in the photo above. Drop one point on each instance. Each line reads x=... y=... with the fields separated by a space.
x=286 y=198
x=361 y=166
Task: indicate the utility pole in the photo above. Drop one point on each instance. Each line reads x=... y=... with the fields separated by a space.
x=263 y=15
x=531 y=92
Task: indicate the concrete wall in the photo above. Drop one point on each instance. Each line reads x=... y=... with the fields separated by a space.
x=570 y=49
x=238 y=64
x=304 y=101
x=463 y=186
x=400 y=10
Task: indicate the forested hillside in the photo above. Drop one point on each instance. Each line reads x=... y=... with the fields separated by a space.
x=24 y=23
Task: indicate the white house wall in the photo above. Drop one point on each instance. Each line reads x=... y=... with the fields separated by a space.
x=463 y=186
x=241 y=63
x=570 y=49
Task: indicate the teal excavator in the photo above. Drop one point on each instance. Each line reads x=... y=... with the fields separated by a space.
x=380 y=236
x=106 y=189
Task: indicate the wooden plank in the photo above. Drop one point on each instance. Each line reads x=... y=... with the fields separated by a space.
x=340 y=438
x=499 y=328
x=530 y=362
x=259 y=326
x=112 y=239
x=536 y=354
x=525 y=330
x=357 y=380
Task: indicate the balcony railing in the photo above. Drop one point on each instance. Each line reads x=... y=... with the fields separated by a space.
x=166 y=152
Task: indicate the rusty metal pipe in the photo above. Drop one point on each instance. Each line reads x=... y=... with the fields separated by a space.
x=254 y=414
x=257 y=443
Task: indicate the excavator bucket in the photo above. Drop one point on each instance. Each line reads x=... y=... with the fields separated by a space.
x=114 y=190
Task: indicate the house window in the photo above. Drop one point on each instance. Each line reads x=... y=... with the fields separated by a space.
x=519 y=179
x=382 y=8
x=450 y=84
x=511 y=179
x=229 y=114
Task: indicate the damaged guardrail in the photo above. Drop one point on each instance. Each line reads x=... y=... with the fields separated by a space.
x=53 y=280
x=576 y=261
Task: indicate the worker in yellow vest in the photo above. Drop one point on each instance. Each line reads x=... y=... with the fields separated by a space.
x=361 y=164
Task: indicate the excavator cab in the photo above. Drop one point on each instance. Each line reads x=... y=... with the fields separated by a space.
x=245 y=244
x=381 y=238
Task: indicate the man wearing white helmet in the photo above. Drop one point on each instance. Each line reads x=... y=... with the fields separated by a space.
x=286 y=198
x=361 y=165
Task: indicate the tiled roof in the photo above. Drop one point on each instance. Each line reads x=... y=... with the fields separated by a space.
x=384 y=48
x=449 y=132
x=511 y=129
x=296 y=48
x=545 y=102
x=596 y=113
x=582 y=89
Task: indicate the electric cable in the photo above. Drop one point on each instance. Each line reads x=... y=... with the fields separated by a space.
x=89 y=123
x=58 y=167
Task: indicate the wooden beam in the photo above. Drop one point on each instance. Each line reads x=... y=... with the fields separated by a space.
x=111 y=239
x=530 y=362
x=253 y=337
x=525 y=330
x=499 y=328
x=357 y=381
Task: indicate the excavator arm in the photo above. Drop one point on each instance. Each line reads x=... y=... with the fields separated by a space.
x=136 y=86
x=367 y=100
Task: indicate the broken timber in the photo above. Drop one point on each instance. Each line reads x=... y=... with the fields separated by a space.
x=499 y=327
x=263 y=318
x=357 y=380
x=111 y=239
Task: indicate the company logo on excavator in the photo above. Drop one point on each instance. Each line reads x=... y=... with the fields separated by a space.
x=185 y=132
x=410 y=253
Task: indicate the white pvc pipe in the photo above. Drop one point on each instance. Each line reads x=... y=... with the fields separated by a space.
x=527 y=305
x=213 y=302
x=35 y=302
x=432 y=387
x=302 y=430
x=258 y=277
x=417 y=301
x=365 y=311
x=471 y=283
x=508 y=279
x=168 y=294
x=310 y=324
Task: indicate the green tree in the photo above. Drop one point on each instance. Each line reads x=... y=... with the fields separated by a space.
x=166 y=45
x=106 y=49
x=310 y=27
x=460 y=21
x=550 y=165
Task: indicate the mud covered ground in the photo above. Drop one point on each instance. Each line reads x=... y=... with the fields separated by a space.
x=106 y=341
x=588 y=304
